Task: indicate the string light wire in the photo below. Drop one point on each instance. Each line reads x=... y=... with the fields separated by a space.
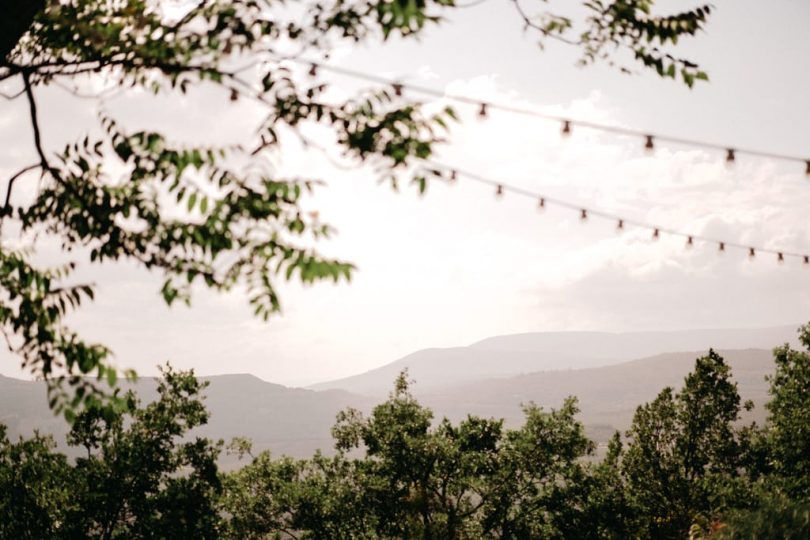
x=568 y=123
x=586 y=212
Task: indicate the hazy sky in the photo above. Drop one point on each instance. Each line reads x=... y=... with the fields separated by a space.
x=457 y=265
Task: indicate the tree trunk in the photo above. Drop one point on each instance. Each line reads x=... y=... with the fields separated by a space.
x=16 y=17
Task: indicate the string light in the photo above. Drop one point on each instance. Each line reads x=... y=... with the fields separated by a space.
x=621 y=222
x=482 y=112
x=453 y=175
x=567 y=123
x=313 y=70
x=649 y=145
x=730 y=156
x=397 y=89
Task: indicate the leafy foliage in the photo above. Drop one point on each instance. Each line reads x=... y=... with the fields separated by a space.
x=221 y=216
x=788 y=436
x=683 y=471
x=142 y=476
x=683 y=450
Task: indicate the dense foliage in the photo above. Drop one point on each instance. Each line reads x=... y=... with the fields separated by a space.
x=685 y=468
x=222 y=216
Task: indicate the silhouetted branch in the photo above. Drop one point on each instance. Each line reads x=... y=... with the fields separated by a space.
x=7 y=206
x=32 y=105
x=531 y=24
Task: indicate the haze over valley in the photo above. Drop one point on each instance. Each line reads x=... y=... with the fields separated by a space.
x=609 y=373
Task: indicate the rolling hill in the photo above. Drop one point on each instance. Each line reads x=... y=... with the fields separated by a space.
x=292 y=421
x=297 y=422
x=506 y=356
x=608 y=396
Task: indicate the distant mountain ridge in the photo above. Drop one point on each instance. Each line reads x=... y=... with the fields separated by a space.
x=297 y=421
x=292 y=421
x=511 y=355
x=607 y=396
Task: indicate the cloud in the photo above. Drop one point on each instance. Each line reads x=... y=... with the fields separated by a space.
x=458 y=265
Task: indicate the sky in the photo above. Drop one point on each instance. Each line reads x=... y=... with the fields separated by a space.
x=458 y=264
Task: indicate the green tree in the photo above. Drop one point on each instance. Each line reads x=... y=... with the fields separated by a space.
x=35 y=488
x=683 y=458
x=607 y=506
x=285 y=498
x=419 y=481
x=787 y=431
x=400 y=474
x=774 y=517
x=219 y=216
x=144 y=476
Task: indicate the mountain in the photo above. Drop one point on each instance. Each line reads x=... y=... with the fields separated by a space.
x=491 y=378
x=297 y=422
x=608 y=396
x=506 y=356
x=292 y=421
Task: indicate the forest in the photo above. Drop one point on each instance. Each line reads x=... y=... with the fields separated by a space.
x=688 y=467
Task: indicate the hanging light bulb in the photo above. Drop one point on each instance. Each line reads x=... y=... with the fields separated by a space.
x=620 y=225
x=656 y=234
x=730 y=156
x=721 y=246
x=807 y=170
x=499 y=190
x=482 y=112
x=807 y=259
x=583 y=214
x=752 y=252
x=689 y=241
x=649 y=145
x=453 y=176
x=397 y=89
x=313 y=70
x=566 y=131
x=780 y=257
x=541 y=203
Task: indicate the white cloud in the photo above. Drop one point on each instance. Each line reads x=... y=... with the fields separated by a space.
x=458 y=265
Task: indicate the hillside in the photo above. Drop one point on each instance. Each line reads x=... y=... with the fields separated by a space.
x=291 y=421
x=607 y=395
x=506 y=356
x=297 y=421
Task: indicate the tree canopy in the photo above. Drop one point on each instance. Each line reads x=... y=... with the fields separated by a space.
x=686 y=467
x=219 y=215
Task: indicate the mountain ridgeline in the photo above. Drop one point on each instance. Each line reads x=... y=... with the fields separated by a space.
x=517 y=354
x=610 y=374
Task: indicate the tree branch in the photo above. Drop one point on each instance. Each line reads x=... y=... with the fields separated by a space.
x=7 y=206
x=32 y=105
x=527 y=21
